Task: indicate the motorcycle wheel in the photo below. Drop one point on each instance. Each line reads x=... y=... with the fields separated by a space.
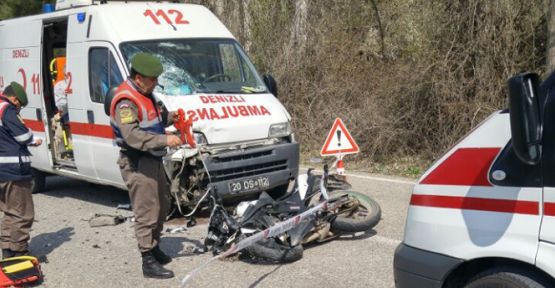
x=271 y=250
x=363 y=218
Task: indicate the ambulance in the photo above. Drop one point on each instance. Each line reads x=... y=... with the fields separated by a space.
x=484 y=214
x=70 y=58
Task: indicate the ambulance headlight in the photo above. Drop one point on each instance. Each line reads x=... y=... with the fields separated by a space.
x=199 y=138
x=279 y=130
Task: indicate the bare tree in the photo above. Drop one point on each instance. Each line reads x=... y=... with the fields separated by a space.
x=550 y=35
x=218 y=7
x=299 y=33
x=246 y=24
x=380 y=27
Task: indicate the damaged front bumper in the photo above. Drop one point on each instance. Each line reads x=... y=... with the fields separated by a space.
x=277 y=164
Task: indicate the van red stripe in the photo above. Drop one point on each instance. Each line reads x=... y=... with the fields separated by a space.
x=34 y=125
x=94 y=130
x=466 y=167
x=473 y=203
x=549 y=209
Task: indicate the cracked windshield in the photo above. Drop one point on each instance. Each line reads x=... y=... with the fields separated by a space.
x=200 y=66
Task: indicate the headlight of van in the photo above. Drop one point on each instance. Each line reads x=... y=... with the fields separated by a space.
x=200 y=139
x=279 y=130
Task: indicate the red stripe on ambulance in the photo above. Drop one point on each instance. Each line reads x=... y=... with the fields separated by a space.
x=34 y=125
x=465 y=167
x=473 y=203
x=86 y=129
x=549 y=209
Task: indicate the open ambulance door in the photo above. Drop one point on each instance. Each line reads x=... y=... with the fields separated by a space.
x=104 y=71
x=76 y=90
x=546 y=248
x=532 y=112
x=21 y=54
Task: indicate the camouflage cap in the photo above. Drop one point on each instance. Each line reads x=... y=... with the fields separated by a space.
x=147 y=64
x=16 y=90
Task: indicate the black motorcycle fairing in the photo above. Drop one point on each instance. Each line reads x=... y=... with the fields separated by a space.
x=221 y=228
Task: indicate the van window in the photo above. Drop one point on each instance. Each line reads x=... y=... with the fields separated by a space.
x=103 y=73
x=200 y=66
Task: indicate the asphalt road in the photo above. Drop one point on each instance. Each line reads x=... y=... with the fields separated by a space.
x=81 y=256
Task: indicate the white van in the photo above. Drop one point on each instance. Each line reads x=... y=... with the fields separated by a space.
x=484 y=214
x=85 y=46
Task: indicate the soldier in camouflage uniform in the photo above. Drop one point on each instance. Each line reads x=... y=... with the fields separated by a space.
x=139 y=130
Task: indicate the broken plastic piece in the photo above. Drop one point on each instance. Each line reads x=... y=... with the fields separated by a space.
x=192 y=222
x=176 y=230
x=99 y=220
x=124 y=206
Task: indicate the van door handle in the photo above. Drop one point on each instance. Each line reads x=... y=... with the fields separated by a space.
x=39 y=114
x=90 y=116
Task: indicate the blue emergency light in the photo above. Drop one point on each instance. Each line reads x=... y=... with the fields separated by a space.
x=81 y=17
x=48 y=7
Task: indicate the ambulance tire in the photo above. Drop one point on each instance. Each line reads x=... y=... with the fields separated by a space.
x=39 y=181
x=507 y=277
x=270 y=249
x=352 y=225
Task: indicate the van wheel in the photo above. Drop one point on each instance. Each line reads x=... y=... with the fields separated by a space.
x=39 y=181
x=507 y=277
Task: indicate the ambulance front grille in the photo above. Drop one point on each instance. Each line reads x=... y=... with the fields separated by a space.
x=245 y=156
x=246 y=171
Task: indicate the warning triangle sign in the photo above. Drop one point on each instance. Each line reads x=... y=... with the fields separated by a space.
x=339 y=141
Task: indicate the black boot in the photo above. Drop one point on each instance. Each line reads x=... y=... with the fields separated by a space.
x=160 y=256
x=7 y=253
x=153 y=269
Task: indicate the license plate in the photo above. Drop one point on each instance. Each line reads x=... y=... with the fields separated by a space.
x=249 y=185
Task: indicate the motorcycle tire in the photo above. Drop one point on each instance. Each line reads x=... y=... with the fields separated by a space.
x=352 y=223
x=271 y=250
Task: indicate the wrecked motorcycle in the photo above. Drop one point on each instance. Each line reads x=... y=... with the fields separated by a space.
x=345 y=212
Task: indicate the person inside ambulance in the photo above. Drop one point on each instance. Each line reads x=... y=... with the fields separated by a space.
x=139 y=129
x=62 y=143
x=16 y=179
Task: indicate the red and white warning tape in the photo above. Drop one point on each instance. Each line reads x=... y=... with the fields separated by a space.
x=273 y=231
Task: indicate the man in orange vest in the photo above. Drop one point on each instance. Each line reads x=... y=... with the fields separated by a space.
x=137 y=124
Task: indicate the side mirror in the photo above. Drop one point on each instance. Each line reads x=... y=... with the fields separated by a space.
x=270 y=83
x=524 y=109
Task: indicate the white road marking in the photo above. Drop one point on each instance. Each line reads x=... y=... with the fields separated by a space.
x=372 y=178
x=386 y=240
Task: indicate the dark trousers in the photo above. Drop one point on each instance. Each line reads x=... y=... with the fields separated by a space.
x=16 y=202
x=150 y=197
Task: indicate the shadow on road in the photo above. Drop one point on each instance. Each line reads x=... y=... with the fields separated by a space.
x=181 y=247
x=43 y=244
x=259 y=280
x=345 y=237
x=62 y=187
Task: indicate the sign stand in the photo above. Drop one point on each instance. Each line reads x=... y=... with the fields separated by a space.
x=340 y=166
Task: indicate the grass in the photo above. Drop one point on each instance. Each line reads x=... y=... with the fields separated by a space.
x=410 y=167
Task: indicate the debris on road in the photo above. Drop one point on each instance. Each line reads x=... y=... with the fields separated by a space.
x=176 y=230
x=126 y=206
x=193 y=249
x=99 y=220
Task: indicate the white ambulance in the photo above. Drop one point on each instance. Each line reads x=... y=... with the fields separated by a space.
x=242 y=130
x=484 y=214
